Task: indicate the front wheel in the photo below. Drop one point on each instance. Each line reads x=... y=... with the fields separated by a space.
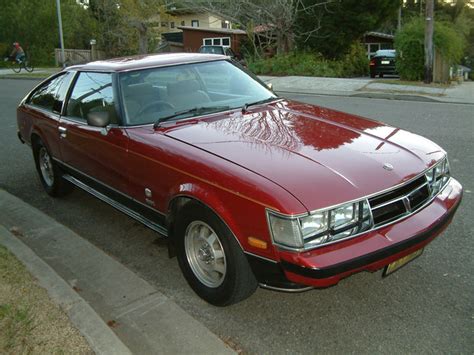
x=27 y=65
x=210 y=258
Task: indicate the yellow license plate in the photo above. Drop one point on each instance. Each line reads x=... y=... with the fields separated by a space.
x=401 y=262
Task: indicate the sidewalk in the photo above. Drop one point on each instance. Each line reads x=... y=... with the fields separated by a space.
x=116 y=310
x=371 y=88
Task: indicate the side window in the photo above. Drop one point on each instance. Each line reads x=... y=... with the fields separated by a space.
x=47 y=95
x=92 y=92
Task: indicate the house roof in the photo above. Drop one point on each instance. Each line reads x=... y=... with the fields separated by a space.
x=210 y=29
x=380 y=34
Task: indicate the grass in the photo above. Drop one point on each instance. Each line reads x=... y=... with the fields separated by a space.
x=29 y=321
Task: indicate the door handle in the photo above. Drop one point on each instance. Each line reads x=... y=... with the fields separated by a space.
x=62 y=131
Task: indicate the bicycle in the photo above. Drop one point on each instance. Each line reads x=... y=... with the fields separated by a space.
x=17 y=66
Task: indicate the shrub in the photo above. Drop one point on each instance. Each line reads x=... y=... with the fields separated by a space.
x=354 y=63
x=409 y=43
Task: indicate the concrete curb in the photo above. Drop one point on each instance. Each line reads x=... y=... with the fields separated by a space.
x=99 y=336
x=144 y=319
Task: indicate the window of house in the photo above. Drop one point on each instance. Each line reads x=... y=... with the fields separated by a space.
x=164 y=24
x=217 y=41
x=92 y=93
x=183 y=23
x=172 y=24
x=225 y=24
x=194 y=23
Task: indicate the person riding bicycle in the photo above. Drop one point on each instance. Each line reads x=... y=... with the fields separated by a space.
x=18 y=53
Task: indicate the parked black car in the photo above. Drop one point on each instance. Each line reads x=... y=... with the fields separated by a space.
x=222 y=50
x=383 y=62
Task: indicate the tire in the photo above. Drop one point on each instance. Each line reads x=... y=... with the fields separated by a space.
x=28 y=67
x=16 y=67
x=210 y=258
x=381 y=75
x=49 y=173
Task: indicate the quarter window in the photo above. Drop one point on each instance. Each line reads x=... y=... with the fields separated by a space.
x=92 y=93
x=48 y=96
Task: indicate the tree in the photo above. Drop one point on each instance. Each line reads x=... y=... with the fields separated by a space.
x=340 y=23
x=34 y=24
x=274 y=21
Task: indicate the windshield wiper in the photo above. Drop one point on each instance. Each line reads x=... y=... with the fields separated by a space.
x=247 y=105
x=194 y=110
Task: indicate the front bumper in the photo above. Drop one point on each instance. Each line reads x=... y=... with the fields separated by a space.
x=326 y=266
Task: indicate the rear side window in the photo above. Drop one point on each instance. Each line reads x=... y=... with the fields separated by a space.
x=47 y=95
x=92 y=92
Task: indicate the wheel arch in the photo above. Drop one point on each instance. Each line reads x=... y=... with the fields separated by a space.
x=203 y=197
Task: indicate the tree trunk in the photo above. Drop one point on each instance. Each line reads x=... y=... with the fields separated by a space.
x=429 y=26
x=143 y=41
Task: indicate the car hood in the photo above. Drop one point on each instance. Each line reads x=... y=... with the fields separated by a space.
x=321 y=156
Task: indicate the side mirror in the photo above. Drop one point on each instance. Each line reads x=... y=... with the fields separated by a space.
x=98 y=119
x=270 y=86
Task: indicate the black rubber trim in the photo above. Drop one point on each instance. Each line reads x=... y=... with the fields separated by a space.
x=127 y=201
x=271 y=274
x=371 y=257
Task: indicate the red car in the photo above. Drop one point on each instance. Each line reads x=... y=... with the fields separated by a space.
x=249 y=188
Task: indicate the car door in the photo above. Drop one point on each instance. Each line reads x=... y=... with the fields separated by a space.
x=96 y=155
x=45 y=104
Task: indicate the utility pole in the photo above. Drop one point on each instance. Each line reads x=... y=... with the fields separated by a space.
x=61 y=39
x=429 y=26
x=399 y=24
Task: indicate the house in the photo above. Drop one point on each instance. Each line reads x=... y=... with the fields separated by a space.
x=195 y=37
x=178 y=18
x=374 y=41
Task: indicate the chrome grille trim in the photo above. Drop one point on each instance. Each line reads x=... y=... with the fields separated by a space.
x=405 y=198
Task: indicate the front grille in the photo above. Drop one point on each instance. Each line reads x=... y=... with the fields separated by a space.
x=399 y=202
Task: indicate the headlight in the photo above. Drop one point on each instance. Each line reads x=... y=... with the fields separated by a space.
x=438 y=176
x=322 y=226
x=285 y=231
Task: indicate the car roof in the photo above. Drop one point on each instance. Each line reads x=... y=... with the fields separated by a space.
x=147 y=61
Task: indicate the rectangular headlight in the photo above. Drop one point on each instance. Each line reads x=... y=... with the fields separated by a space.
x=438 y=176
x=322 y=226
x=285 y=231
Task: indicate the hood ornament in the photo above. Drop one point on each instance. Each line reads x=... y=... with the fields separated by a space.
x=388 y=166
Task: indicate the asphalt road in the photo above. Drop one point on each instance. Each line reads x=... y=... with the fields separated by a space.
x=425 y=307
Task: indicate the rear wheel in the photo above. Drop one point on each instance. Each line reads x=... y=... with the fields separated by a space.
x=49 y=173
x=381 y=75
x=210 y=258
x=16 y=67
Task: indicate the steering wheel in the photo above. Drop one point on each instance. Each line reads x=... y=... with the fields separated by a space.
x=155 y=106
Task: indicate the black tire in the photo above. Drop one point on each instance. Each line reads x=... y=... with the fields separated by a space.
x=372 y=75
x=381 y=75
x=238 y=281
x=27 y=65
x=53 y=183
x=16 y=67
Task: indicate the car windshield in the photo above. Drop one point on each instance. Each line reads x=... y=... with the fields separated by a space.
x=212 y=49
x=385 y=53
x=183 y=91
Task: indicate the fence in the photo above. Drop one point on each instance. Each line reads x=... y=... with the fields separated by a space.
x=440 y=68
x=77 y=56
